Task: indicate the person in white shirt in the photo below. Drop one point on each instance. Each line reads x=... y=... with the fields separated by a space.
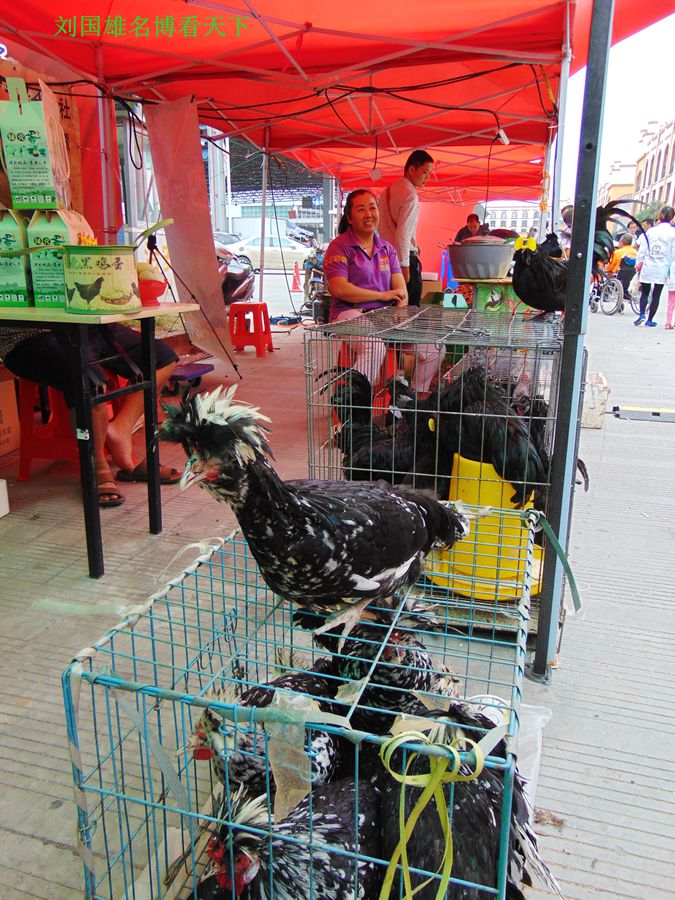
x=399 y=210
x=655 y=254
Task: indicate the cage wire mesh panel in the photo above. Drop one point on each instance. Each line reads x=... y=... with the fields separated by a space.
x=189 y=769
x=484 y=432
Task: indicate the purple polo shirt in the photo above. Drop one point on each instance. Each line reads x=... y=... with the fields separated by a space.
x=346 y=257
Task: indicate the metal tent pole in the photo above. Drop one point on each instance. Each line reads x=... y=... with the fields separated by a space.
x=266 y=163
x=108 y=139
x=562 y=108
x=576 y=317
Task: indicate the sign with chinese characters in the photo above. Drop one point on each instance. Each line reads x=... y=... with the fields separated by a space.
x=227 y=26
x=34 y=148
x=101 y=279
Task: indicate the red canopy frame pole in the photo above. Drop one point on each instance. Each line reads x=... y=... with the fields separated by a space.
x=576 y=323
x=105 y=118
x=266 y=163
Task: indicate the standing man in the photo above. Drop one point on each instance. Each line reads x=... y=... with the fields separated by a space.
x=399 y=209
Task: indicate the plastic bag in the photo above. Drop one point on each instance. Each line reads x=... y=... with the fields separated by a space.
x=634 y=286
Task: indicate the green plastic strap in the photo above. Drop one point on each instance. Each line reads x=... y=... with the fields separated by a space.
x=559 y=552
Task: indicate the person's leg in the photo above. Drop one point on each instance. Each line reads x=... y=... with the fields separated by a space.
x=120 y=428
x=645 y=288
x=427 y=365
x=670 y=310
x=44 y=359
x=415 y=282
x=654 y=305
x=370 y=352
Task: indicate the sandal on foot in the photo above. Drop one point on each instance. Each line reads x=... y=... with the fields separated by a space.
x=167 y=475
x=108 y=494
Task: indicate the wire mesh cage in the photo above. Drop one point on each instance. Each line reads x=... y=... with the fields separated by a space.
x=407 y=394
x=296 y=800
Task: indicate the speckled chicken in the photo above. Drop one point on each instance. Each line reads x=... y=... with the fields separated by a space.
x=241 y=758
x=326 y=545
x=307 y=853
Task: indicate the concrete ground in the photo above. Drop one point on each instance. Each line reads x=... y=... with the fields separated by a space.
x=606 y=787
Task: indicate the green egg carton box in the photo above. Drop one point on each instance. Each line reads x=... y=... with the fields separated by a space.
x=49 y=231
x=14 y=272
x=34 y=151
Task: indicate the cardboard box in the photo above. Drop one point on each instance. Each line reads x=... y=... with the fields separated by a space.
x=14 y=273
x=52 y=228
x=34 y=149
x=430 y=286
x=9 y=418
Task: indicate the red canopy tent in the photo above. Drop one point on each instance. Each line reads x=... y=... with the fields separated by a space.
x=344 y=87
x=304 y=77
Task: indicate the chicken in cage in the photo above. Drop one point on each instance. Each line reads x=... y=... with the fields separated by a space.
x=223 y=748
x=493 y=402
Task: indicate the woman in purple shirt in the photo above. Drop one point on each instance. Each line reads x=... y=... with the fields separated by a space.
x=364 y=273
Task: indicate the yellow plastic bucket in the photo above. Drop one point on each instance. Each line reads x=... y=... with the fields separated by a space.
x=490 y=563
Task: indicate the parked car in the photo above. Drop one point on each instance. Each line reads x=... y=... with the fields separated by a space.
x=275 y=246
x=226 y=237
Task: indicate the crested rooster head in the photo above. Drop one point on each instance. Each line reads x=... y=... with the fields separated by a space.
x=218 y=435
x=232 y=850
x=202 y=738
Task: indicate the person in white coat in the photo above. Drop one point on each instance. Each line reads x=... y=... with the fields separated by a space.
x=654 y=257
x=399 y=210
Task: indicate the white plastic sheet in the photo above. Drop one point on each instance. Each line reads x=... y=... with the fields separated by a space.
x=173 y=130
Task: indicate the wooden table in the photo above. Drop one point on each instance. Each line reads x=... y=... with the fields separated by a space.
x=76 y=327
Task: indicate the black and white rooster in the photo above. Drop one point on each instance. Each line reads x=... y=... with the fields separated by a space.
x=308 y=854
x=239 y=757
x=326 y=545
x=393 y=662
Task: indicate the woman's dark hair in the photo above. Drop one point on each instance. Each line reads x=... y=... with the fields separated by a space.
x=666 y=214
x=349 y=203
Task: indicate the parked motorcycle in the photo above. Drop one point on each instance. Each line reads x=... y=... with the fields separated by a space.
x=236 y=276
x=314 y=280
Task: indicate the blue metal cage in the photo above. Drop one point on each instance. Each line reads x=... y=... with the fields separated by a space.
x=148 y=806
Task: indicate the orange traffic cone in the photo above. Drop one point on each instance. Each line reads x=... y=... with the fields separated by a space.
x=296 y=278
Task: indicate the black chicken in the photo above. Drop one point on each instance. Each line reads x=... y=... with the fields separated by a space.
x=326 y=545
x=89 y=291
x=476 y=420
x=307 y=854
x=476 y=810
x=246 y=763
x=540 y=280
x=390 y=453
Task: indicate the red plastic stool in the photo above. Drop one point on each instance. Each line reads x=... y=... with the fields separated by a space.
x=54 y=440
x=258 y=334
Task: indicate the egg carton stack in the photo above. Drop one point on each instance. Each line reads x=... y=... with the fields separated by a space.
x=219 y=749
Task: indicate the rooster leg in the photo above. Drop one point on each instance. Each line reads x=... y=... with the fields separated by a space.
x=349 y=616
